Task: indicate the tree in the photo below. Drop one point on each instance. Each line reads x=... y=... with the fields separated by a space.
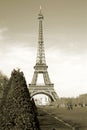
x=3 y=84
x=18 y=110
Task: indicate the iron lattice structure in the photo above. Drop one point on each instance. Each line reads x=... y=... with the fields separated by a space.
x=41 y=68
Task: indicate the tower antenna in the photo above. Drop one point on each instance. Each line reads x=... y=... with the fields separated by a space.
x=40 y=8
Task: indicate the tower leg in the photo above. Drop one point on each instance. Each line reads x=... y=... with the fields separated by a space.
x=34 y=79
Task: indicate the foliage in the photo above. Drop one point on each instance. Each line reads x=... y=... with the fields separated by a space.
x=3 y=83
x=18 y=109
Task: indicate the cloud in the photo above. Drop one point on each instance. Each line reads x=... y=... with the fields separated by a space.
x=9 y=39
x=68 y=72
x=2 y=31
x=17 y=57
x=66 y=42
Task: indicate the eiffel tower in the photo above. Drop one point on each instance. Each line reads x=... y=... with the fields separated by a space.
x=41 y=68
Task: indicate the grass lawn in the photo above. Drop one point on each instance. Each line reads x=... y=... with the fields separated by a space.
x=76 y=117
x=48 y=122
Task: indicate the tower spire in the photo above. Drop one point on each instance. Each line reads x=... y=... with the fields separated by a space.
x=40 y=8
x=40 y=52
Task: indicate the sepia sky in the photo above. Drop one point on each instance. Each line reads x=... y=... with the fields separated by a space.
x=65 y=39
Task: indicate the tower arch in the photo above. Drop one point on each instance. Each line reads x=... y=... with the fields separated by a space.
x=45 y=93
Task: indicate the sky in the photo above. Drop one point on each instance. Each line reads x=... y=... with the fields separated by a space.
x=65 y=40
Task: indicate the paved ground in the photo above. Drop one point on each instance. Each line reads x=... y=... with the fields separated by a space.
x=48 y=122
